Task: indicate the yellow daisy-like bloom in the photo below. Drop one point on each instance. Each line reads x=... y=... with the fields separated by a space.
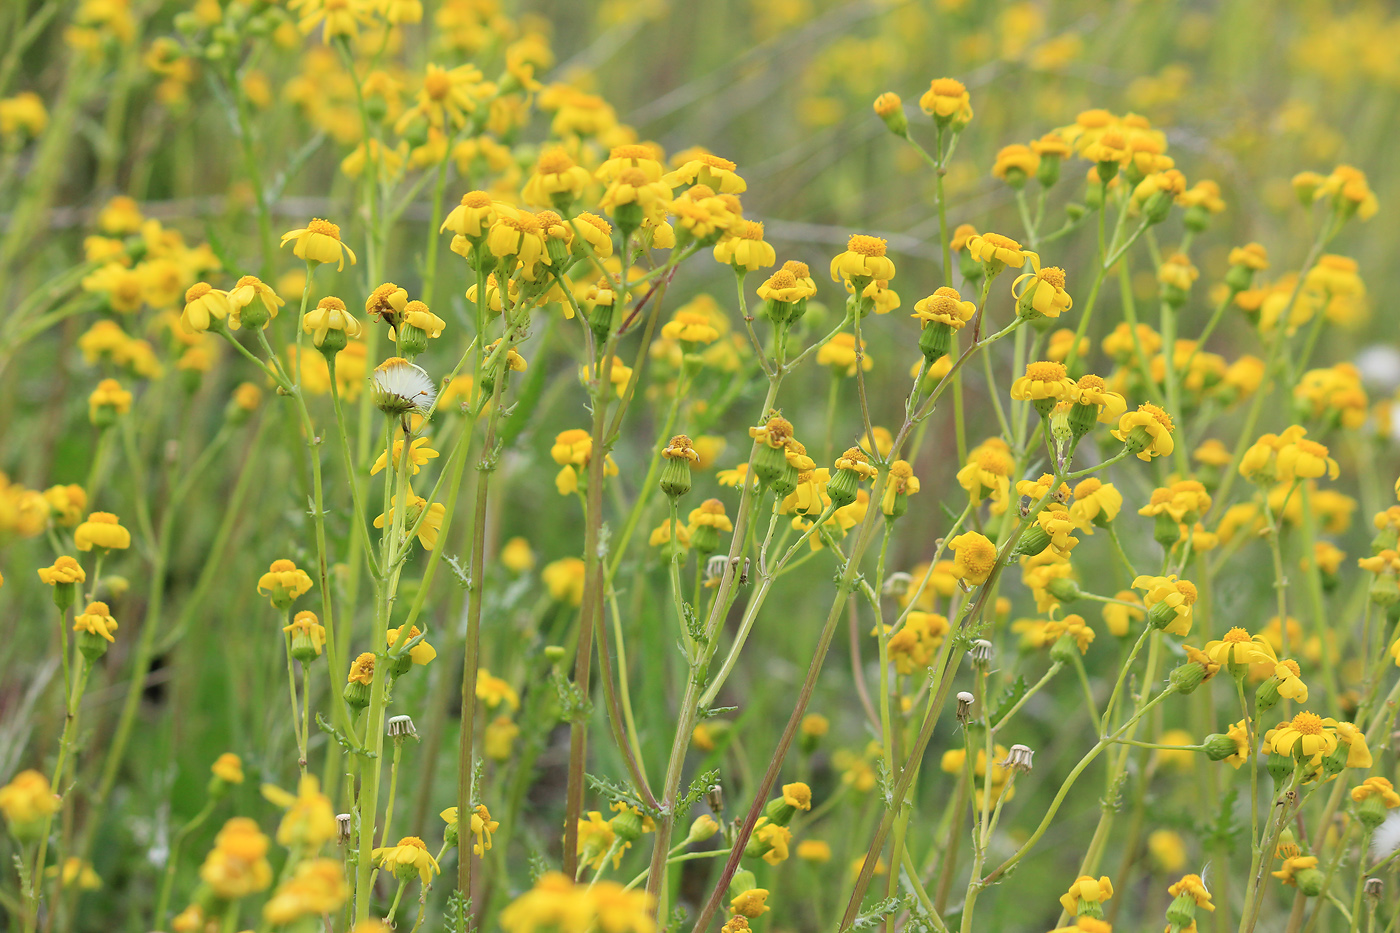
x=27 y=800
x=855 y=459
x=947 y=100
x=1086 y=889
x=1149 y=430
x=318 y=242
x=64 y=570
x=902 y=481
x=638 y=156
x=1292 y=867
x=1349 y=190
x=328 y=315
x=1183 y=501
x=419 y=453
x=108 y=396
x=427 y=533
x=1178 y=272
x=362 y=670
x=1075 y=627
x=420 y=653
x=596 y=232
x=245 y=291
x=1013 y=159
x=708 y=170
x=1290 y=681
x=1358 y=753
x=944 y=306
x=710 y=514
x=96 y=619
x=1305 y=737
x=1305 y=459
x=228 y=768
x=744 y=247
x=752 y=903
x=516 y=234
x=987 y=473
x=237 y=865
x=1376 y=787
x=776 y=839
x=840 y=354
x=318 y=887
x=1044 y=379
x=863 y=259
x=1119 y=618
x=997 y=251
x=1095 y=502
x=416 y=314
x=284 y=581
x=1042 y=291
x=690 y=327
x=1193 y=887
x=493 y=691
x=914 y=646
x=310 y=819
x=783 y=286
x=1239 y=649
x=102 y=529
x=974 y=557
x=471 y=218
x=666 y=531
x=409 y=857
x=632 y=187
x=204 y=304
x=1094 y=391
x=556 y=177
x=1168 y=601
x=340 y=17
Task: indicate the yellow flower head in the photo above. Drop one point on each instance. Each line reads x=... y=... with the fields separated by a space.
x=1043 y=380
x=840 y=354
x=996 y=252
x=237 y=865
x=228 y=768
x=284 y=582
x=709 y=170
x=974 y=557
x=944 y=306
x=107 y=400
x=96 y=619
x=102 y=530
x=947 y=101
x=1147 y=432
x=319 y=241
x=330 y=315
x=65 y=570
x=863 y=259
x=410 y=857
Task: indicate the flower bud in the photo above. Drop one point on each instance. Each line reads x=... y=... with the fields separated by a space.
x=1280 y=767
x=1266 y=695
x=675 y=475
x=1309 y=881
x=1033 y=541
x=1166 y=531
x=842 y=487
x=356 y=694
x=702 y=829
x=1186 y=678
x=1064 y=589
x=627 y=825
x=1371 y=811
x=1064 y=649
x=1219 y=746
x=1287 y=846
x=889 y=108
x=935 y=341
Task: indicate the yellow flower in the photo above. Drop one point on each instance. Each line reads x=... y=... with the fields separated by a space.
x=1238 y=648
x=310 y=819
x=330 y=315
x=317 y=888
x=1042 y=291
x=815 y=851
x=1305 y=737
x=431 y=524
x=204 y=304
x=66 y=503
x=228 y=768
x=1177 y=272
x=1290 y=682
x=974 y=557
x=557 y=179
x=493 y=691
x=1147 y=432
x=75 y=872
x=914 y=646
x=1086 y=891
x=1095 y=502
x=499 y=738
x=319 y=241
x=1293 y=867
x=947 y=100
x=1376 y=787
x=410 y=857
x=420 y=653
x=1168 y=601
x=752 y=903
x=743 y=247
x=108 y=400
x=631 y=187
x=96 y=619
x=102 y=530
x=863 y=259
x=237 y=865
x=564 y=580
x=1072 y=625
x=710 y=514
x=1168 y=850
x=840 y=354
x=284 y=582
x=1043 y=380
x=516 y=235
x=1117 y=617
x=620 y=158
x=1184 y=501
x=709 y=170
x=419 y=453
x=690 y=327
x=1015 y=163
x=775 y=839
x=1305 y=459
x=997 y=252
x=472 y=217
x=944 y=306
x=245 y=291
x=987 y=473
x=65 y=570
x=26 y=801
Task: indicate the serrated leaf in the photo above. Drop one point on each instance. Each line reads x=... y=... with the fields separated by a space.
x=1008 y=698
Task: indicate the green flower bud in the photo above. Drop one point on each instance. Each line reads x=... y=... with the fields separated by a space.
x=1219 y=746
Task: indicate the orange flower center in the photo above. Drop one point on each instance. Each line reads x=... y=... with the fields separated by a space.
x=554 y=161
x=714 y=161
x=1307 y=723
x=437 y=84
x=866 y=245
x=1054 y=275
x=1158 y=415
x=196 y=291
x=324 y=227
x=1045 y=371
x=753 y=230
x=1001 y=242
x=476 y=199
x=331 y=303
x=1236 y=636
x=799 y=270
x=782 y=279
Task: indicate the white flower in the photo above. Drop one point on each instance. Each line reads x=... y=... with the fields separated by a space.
x=401 y=387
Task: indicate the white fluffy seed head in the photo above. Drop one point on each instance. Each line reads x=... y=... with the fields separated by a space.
x=1386 y=839
x=401 y=387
